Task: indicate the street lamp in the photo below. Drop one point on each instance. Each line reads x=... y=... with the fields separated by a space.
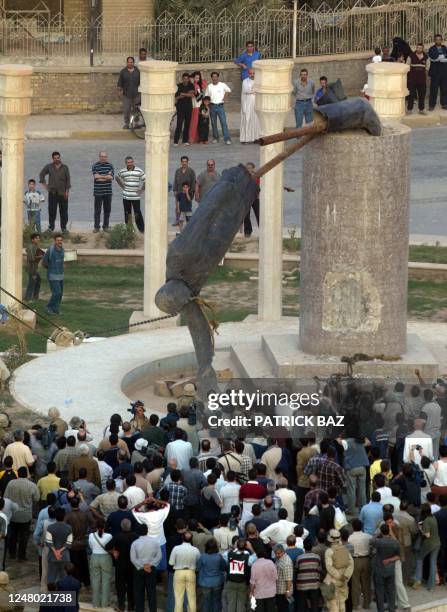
x=93 y=5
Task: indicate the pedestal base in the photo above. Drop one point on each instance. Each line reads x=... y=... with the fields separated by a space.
x=138 y=316
x=286 y=359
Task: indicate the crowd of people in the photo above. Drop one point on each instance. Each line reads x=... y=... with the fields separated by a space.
x=173 y=507
x=418 y=60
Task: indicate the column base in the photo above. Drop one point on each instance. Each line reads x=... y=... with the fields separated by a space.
x=27 y=316
x=138 y=316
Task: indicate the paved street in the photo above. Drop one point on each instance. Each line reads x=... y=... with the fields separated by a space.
x=428 y=180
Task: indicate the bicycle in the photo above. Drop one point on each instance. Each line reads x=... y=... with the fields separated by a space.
x=136 y=123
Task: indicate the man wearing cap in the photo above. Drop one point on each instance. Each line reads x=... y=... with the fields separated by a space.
x=188 y=396
x=139 y=421
x=339 y=567
x=85 y=461
x=139 y=454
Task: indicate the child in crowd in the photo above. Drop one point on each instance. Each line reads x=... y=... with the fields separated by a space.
x=32 y=200
x=204 y=120
x=377 y=57
x=184 y=204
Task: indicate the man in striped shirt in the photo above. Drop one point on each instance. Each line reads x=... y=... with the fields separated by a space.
x=103 y=174
x=131 y=179
x=308 y=575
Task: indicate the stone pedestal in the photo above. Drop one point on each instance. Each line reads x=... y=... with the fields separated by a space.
x=354 y=243
x=387 y=88
x=273 y=88
x=157 y=88
x=15 y=108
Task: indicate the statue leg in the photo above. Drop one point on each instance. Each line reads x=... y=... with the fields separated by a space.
x=175 y=297
x=203 y=344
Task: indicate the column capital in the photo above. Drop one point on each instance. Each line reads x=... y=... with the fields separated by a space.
x=387 y=88
x=157 y=87
x=15 y=90
x=273 y=86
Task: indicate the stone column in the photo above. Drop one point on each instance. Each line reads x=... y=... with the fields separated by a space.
x=354 y=243
x=157 y=87
x=15 y=108
x=273 y=85
x=387 y=88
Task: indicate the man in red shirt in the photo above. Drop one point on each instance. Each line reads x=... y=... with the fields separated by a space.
x=250 y=493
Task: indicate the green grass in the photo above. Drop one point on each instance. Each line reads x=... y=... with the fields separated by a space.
x=422 y=253
x=291 y=245
x=426 y=297
x=101 y=297
x=432 y=254
x=228 y=275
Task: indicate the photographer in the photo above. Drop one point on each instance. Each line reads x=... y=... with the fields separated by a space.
x=139 y=420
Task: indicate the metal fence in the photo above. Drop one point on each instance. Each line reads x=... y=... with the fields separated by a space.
x=208 y=37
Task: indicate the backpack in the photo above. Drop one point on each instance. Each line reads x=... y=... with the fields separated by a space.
x=240 y=477
x=61 y=499
x=47 y=436
x=340 y=557
x=238 y=569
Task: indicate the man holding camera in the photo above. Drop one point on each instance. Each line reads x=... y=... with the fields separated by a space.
x=139 y=421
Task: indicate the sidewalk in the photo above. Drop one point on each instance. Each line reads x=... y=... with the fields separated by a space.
x=110 y=126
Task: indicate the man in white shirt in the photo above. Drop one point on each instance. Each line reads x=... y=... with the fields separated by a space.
x=180 y=450
x=433 y=424
x=230 y=493
x=133 y=493
x=418 y=439
x=153 y=518
x=217 y=90
x=361 y=577
x=278 y=532
x=287 y=497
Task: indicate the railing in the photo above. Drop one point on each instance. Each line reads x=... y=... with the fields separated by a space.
x=209 y=37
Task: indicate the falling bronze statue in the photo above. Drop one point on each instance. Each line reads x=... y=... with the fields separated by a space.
x=205 y=240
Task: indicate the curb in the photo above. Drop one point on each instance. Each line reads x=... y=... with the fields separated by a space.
x=92 y=134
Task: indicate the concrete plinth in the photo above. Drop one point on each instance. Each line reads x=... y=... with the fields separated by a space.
x=354 y=243
x=285 y=361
